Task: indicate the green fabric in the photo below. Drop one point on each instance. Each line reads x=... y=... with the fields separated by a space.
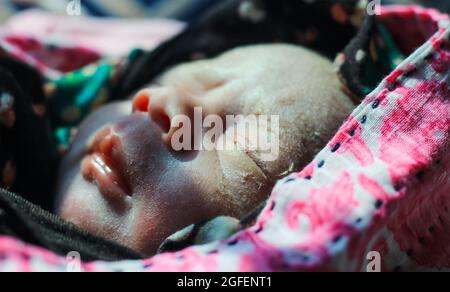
x=76 y=94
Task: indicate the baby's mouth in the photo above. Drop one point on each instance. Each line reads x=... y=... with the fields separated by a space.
x=105 y=165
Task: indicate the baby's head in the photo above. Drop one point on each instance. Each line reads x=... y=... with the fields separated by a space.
x=124 y=181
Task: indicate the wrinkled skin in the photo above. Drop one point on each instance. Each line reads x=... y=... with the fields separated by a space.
x=145 y=191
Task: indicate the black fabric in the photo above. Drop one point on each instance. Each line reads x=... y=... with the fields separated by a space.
x=25 y=146
x=350 y=71
x=31 y=224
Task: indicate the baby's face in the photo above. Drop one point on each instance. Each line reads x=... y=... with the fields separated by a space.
x=123 y=180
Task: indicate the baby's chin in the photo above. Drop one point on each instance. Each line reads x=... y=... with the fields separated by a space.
x=84 y=207
x=82 y=204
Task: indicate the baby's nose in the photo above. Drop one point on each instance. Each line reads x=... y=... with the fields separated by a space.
x=165 y=107
x=159 y=104
x=141 y=101
x=170 y=109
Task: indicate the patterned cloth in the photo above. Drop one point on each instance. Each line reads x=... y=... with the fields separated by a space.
x=437 y=4
x=379 y=185
x=98 y=34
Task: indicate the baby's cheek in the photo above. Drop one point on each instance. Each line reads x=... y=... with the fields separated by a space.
x=164 y=202
x=83 y=206
x=74 y=211
x=243 y=186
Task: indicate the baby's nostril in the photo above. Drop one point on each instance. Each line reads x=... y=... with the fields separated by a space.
x=162 y=120
x=141 y=101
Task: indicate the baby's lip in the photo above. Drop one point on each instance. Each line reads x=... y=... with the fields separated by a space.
x=105 y=165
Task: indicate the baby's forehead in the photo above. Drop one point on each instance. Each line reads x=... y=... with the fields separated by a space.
x=269 y=75
x=242 y=56
x=268 y=53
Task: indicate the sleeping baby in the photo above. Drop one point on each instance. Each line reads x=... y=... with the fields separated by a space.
x=124 y=180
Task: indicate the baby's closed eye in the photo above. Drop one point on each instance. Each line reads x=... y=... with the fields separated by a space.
x=194 y=79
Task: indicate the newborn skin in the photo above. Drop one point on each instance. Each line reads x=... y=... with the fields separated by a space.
x=123 y=181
